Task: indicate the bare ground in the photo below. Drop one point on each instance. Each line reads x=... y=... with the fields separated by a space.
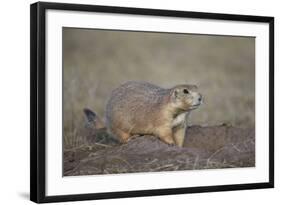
x=212 y=147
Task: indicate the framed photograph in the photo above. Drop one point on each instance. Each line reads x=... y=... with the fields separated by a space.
x=129 y=102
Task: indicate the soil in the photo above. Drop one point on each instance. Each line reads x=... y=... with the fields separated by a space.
x=210 y=147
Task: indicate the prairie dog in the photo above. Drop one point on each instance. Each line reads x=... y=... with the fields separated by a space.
x=139 y=108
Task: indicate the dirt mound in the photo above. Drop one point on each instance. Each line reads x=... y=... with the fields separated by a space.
x=204 y=148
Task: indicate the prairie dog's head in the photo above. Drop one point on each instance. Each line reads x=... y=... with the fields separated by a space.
x=185 y=97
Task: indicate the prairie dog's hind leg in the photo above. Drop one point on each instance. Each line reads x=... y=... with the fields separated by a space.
x=123 y=136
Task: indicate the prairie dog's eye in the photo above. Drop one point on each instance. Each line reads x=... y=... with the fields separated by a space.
x=185 y=91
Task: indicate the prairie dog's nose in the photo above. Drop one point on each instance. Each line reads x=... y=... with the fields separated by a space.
x=200 y=98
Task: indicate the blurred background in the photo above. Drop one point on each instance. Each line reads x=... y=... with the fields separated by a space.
x=97 y=61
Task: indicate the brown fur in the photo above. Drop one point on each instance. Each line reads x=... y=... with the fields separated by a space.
x=138 y=108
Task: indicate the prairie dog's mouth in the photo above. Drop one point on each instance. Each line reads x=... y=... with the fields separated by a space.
x=195 y=106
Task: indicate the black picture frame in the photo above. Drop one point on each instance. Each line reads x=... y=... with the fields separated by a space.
x=38 y=101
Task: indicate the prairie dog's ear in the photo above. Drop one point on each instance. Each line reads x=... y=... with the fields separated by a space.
x=92 y=120
x=174 y=94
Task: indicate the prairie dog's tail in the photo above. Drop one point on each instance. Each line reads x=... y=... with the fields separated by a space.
x=98 y=130
x=93 y=121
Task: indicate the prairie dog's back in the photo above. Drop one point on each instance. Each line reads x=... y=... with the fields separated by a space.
x=132 y=103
